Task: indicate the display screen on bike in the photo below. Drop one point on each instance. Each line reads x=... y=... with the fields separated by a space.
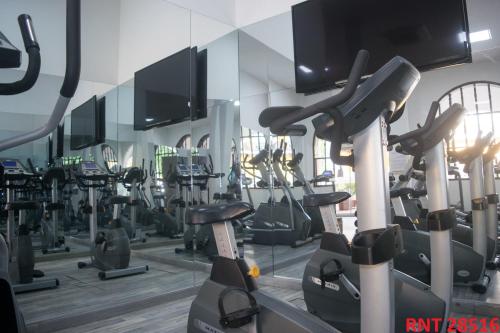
x=89 y=165
x=9 y=164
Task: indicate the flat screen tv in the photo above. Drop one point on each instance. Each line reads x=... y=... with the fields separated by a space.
x=328 y=34
x=166 y=91
x=88 y=124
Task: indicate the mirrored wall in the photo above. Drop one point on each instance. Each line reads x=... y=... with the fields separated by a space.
x=280 y=169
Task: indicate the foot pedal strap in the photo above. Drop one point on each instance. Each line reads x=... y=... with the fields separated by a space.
x=240 y=317
x=332 y=275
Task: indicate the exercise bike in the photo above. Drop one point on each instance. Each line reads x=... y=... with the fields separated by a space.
x=110 y=249
x=21 y=255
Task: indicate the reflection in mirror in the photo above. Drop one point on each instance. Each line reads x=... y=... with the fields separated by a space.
x=295 y=163
x=215 y=167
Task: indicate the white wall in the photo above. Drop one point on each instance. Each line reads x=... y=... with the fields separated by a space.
x=248 y=12
x=435 y=83
x=221 y=10
x=41 y=99
x=99 y=35
x=151 y=30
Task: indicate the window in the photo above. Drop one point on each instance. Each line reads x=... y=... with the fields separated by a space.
x=276 y=142
x=160 y=152
x=204 y=142
x=482 y=102
x=71 y=160
x=109 y=157
x=321 y=159
x=252 y=142
x=184 y=142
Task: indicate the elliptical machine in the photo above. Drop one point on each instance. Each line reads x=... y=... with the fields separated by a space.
x=166 y=224
x=283 y=222
x=317 y=225
x=109 y=250
x=132 y=179
x=21 y=255
x=54 y=180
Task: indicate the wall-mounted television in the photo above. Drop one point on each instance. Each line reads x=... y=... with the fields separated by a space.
x=88 y=124
x=171 y=90
x=328 y=34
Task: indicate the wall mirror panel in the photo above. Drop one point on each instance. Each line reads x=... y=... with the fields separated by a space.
x=215 y=131
x=154 y=139
x=296 y=163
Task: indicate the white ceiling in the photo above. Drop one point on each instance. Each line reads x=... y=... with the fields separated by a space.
x=484 y=14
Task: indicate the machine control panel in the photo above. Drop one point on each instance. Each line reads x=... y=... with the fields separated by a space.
x=91 y=169
x=196 y=170
x=14 y=167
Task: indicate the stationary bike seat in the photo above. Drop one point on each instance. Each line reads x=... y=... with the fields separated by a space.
x=208 y=214
x=21 y=205
x=324 y=199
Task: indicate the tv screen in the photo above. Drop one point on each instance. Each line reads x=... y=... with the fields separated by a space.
x=166 y=91
x=88 y=124
x=328 y=34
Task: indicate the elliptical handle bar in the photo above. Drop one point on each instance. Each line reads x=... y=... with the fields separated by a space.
x=357 y=70
x=71 y=79
x=28 y=32
x=33 y=49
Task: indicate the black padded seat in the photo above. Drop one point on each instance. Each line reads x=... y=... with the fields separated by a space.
x=324 y=199
x=55 y=206
x=119 y=200
x=418 y=193
x=22 y=205
x=208 y=214
x=269 y=115
x=401 y=192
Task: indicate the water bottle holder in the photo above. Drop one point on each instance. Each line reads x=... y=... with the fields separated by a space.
x=442 y=220
x=372 y=247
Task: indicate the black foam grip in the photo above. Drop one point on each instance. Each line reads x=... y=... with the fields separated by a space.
x=27 y=31
x=29 y=78
x=269 y=115
x=73 y=48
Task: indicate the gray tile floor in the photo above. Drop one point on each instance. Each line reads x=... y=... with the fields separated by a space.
x=81 y=293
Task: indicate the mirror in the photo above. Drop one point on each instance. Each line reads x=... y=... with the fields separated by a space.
x=214 y=137
x=295 y=163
